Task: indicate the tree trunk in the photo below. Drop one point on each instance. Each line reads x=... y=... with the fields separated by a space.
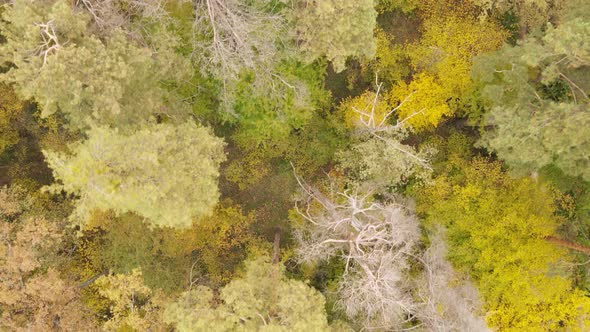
x=276 y=248
x=568 y=244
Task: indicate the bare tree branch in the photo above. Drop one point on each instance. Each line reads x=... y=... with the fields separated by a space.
x=50 y=40
x=126 y=15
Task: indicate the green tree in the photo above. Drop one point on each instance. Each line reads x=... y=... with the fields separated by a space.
x=337 y=29
x=54 y=59
x=383 y=162
x=376 y=157
x=537 y=93
x=528 y=142
x=209 y=251
x=165 y=173
x=532 y=14
x=405 y=6
x=263 y=300
x=266 y=112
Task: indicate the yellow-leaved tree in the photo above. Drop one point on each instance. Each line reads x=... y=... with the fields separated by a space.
x=366 y=110
x=443 y=60
x=133 y=305
x=423 y=102
x=497 y=232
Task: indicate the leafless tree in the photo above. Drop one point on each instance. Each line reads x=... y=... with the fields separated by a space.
x=449 y=302
x=110 y=15
x=375 y=240
x=378 y=242
x=235 y=35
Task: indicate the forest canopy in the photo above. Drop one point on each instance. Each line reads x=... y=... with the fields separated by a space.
x=294 y=165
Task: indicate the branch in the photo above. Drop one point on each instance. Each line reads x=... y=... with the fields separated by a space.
x=568 y=244
x=50 y=41
x=93 y=279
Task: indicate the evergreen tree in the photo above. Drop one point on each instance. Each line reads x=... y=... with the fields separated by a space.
x=165 y=173
x=537 y=93
x=54 y=58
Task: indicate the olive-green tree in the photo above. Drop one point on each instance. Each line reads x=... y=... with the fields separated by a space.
x=337 y=29
x=537 y=93
x=54 y=58
x=377 y=157
x=11 y=110
x=162 y=172
x=263 y=300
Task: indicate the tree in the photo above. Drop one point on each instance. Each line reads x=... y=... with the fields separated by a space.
x=267 y=111
x=132 y=305
x=368 y=110
x=443 y=59
x=337 y=29
x=375 y=240
x=120 y=244
x=537 y=96
x=497 y=230
x=391 y=58
x=11 y=110
x=33 y=295
x=54 y=59
x=427 y=102
x=383 y=163
x=209 y=251
x=247 y=47
x=235 y=35
x=529 y=141
x=165 y=173
x=132 y=17
x=532 y=14
x=450 y=301
x=263 y=300
x=405 y=6
x=377 y=158
x=222 y=243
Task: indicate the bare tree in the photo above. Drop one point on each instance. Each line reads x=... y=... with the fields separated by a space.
x=375 y=240
x=378 y=242
x=235 y=36
x=229 y=35
x=110 y=15
x=449 y=302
